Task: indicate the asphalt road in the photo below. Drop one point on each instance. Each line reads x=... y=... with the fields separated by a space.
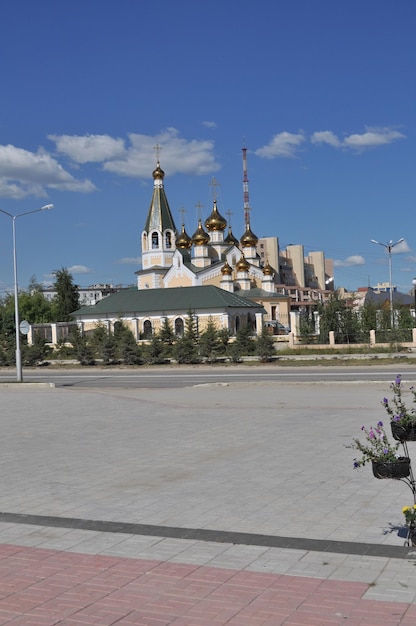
x=180 y=376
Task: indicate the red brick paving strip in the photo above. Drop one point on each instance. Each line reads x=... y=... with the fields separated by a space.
x=47 y=587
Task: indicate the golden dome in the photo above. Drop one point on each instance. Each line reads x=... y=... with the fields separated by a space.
x=268 y=270
x=230 y=239
x=215 y=221
x=158 y=173
x=249 y=239
x=184 y=241
x=200 y=237
x=242 y=265
x=226 y=270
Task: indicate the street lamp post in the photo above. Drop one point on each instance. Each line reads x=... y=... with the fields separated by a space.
x=389 y=247
x=19 y=376
x=414 y=294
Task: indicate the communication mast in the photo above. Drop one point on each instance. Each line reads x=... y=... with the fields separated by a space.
x=247 y=208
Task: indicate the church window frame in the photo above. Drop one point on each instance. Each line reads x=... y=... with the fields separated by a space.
x=155 y=240
x=179 y=327
x=147 y=329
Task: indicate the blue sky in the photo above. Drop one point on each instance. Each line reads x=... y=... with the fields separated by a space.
x=322 y=94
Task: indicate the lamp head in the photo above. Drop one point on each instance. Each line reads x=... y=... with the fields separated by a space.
x=47 y=207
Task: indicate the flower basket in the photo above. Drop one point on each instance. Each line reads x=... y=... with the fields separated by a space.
x=411 y=537
x=403 y=432
x=392 y=469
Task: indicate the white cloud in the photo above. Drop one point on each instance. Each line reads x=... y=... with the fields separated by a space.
x=326 y=136
x=135 y=260
x=132 y=157
x=403 y=246
x=177 y=155
x=371 y=138
x=80 y=269
x=282 y=145
x=24 y=173
x=89 y=148
x=350 y=261
x=209 y=124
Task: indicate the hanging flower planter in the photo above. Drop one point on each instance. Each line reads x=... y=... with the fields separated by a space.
x=400 y=468
x=403 y=432
x=411 y=537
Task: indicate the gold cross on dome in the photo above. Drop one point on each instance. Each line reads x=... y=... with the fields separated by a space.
x=199 y=208
x=157 y=149
x=182 y=211
x=214 y=186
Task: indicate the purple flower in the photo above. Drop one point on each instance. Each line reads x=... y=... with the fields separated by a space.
x=398 y=380
x=385 y=402
x=380 y=424
x=371 y=434
x=362 y=427
x=356 y=464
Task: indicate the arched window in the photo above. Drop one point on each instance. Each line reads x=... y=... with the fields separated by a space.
x=147 y=329
x=168 y=239
x=179 y=327
x=155 y=240
x=144 y=242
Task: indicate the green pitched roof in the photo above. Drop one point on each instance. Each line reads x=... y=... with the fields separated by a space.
x=141 y=301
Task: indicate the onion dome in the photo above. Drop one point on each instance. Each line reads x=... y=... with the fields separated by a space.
x=184 y=241
x=226 y=270
x=158 y=173
x=230 y=239
x=249 y=239
x=268 y=270
x=242 y=265
x=200 y=237
x=215 y=221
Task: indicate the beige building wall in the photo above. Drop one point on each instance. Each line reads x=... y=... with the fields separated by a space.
x=296 y=254
x=268 y=250
x=317 y=259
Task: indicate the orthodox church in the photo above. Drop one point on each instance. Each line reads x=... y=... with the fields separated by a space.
x=211 y=256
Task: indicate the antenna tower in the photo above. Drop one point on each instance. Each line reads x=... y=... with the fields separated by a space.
x=247 y=208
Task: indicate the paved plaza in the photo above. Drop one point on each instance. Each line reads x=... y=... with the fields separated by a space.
x=215 y=504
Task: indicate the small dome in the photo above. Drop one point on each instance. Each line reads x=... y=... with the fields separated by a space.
x=242 y=265
x=268 y=270
x=226 y=270
x=184 y=241
x=230 y=239
x=158 y=173
x=215 y=221
x=249 y=239
x=200 y=237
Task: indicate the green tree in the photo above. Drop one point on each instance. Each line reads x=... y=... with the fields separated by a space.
x=209 y=342
x=127 y=350
x=82 y=351
x=167 y=337
x=264 y=346
x=244 y=340
x=337 y=315
x=156 y=351
x=186 y=349
x=66 y=300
